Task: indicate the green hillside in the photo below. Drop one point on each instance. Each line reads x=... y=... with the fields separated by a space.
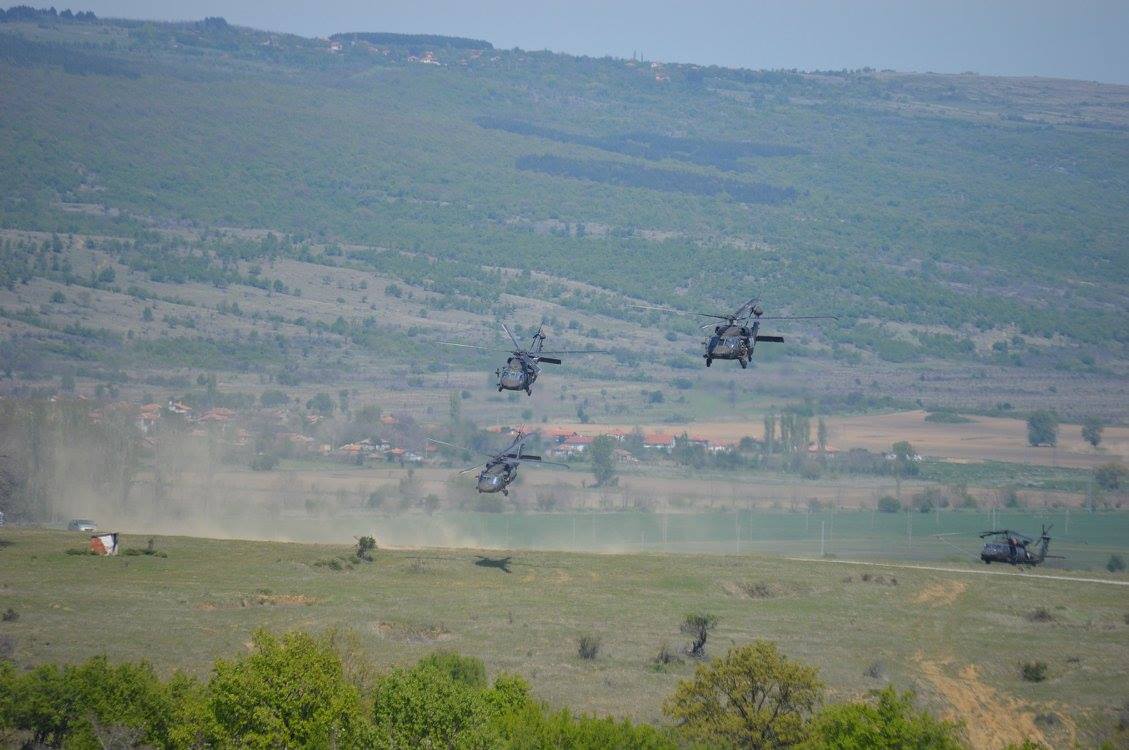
x=956 y=218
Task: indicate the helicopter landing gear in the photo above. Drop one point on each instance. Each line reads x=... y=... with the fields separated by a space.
x=528 y=391
x=499 y=389
x=506 y=493
x=708 y=361
x=744 y=363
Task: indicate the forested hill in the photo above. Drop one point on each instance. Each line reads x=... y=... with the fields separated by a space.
x=952 y=216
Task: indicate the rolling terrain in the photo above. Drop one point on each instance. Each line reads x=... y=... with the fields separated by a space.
x=957 y=639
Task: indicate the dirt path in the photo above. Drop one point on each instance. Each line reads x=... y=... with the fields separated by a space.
x=969 y=571
x=991 y=719
x=942 y=593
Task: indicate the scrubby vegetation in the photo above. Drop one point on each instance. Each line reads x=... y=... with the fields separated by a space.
x=753 y=697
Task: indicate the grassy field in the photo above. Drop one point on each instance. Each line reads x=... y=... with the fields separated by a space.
x=958 y=638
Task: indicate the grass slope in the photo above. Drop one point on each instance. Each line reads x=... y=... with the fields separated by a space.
x=958 y=639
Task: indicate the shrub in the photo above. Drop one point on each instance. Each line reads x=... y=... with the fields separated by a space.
x=463 y=669
x=753 y=697
x=698 y=624
x=588 y=646
x=1042 y=428
x=264 y=462
x=1033 y=671
x=890 y=723
x=254 y=701
x=1040 y=614
x=1111 y=476
x=876 y=671
x=666 y=656
x=425 y=707
x=889 y=504
x=1115 y=564
x=10 y=615
x=365 y=546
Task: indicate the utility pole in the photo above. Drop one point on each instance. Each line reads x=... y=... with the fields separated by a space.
x=821 y=539
x=738 y=515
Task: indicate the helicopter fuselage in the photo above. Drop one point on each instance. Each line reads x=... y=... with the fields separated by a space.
x=731 y=342
x=1016 y=554
x=497 y=476
x=516 y=375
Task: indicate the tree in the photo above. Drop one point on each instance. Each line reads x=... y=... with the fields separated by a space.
x=322 y=403
x=1111 y=476
x=769 y=433
x=1042 y=428
x=1115 y=564
x=699 y=625
x=821 y=435
x=890 y=723
x=1092 y=431
x=754 y=697
x=602 y=454
x=289 y=692
x=887 y=504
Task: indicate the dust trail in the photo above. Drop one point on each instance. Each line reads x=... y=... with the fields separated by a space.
x=958 y=570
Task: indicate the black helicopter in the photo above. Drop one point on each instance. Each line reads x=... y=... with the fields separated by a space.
x=523 y=366
x=1013 y=548
x=738 y=335
x=500 y=470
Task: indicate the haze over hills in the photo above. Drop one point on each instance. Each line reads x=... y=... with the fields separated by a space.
x=179 y=198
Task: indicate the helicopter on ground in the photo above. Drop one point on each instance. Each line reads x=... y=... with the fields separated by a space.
x=737 y=336
x=500 y=470
x=1013 y=548
x=523 y=366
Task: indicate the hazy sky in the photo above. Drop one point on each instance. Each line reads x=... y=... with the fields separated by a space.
x=1086 y=39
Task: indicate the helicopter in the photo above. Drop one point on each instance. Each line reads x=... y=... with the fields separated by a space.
x=1011 y=547
x=737 y=336
x=500 y=470
x=523 y=366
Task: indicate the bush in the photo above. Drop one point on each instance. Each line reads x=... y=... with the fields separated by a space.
x=588 y=646
x=889 y=504
x=1033 y=671
x=1111 y=476
x=365 y=546
x=666 y=656
x=254 y=701
x=1115 y=564
x=1042 y=428
x=466 y=670
x=1040 y=614
x=890 y=723
x=264 y=462
x=10 y=615
x=698 y=624
x=425 y=707
x=753 y=697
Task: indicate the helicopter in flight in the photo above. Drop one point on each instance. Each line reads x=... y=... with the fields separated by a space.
x=1013 y=548
x=738 y=333
x=524 y=363
x=500 y=469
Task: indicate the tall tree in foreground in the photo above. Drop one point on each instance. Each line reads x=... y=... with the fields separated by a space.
x=754 y=697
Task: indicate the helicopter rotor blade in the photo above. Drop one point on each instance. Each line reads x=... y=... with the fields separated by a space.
x=460 y=447
x=540 y=462
x=576 y=351
x=550 y=360
x=473 y=346
x=469 y=469
x=506 y=328
x=799 y=317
